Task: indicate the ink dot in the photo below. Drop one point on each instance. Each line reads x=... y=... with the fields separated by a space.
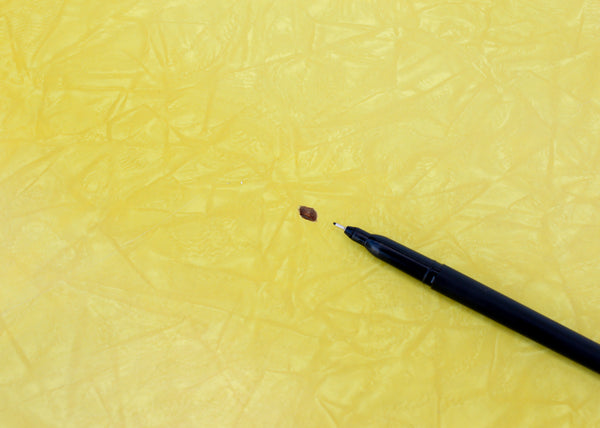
x=308 y=213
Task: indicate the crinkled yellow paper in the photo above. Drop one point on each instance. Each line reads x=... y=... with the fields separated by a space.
x=154 y=270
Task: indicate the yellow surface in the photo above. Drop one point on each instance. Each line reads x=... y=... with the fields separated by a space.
x=155 y=271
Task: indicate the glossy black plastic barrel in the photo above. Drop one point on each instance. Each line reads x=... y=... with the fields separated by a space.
x=517 y=317
x=482 y=299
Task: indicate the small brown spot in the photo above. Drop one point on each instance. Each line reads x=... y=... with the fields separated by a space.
x=308 y=213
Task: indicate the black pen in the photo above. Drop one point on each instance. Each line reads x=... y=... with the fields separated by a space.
x=480 y=298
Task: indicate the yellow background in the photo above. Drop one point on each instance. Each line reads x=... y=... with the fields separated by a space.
x=155 y=271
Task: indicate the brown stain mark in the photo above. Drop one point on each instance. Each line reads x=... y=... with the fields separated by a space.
x=307 y=213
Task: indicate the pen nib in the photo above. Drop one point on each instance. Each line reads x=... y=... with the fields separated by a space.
x=339 y=225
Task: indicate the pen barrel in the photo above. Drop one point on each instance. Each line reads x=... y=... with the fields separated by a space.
x=517 y=317
x=408 y=261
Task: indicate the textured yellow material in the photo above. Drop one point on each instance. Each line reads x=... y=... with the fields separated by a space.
x=155 y=271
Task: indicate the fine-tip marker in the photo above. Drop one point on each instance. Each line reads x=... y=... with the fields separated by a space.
x=481 y=298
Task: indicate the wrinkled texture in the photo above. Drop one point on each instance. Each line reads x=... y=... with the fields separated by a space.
x=155 y=271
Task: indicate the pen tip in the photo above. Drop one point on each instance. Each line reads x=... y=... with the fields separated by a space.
x=339 y=225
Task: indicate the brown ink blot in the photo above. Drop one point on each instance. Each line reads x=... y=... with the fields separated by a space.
x=308 y=213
